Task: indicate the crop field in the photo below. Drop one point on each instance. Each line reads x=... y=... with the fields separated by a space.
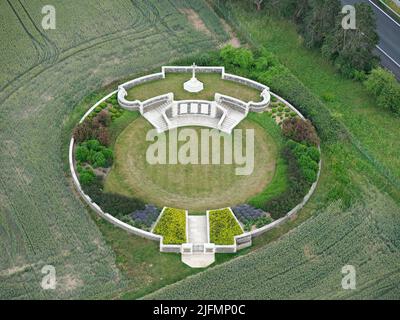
x=352 y=218
x=44 y=74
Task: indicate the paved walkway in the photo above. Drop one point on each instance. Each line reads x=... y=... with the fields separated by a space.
x=197 y=226
x=197 y=229
x=198 y=260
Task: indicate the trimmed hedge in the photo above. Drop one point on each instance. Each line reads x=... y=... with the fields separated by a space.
x=172 y=226
x=223 y=227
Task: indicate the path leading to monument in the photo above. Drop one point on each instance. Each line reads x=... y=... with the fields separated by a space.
x=197 y=235
x=197 y=229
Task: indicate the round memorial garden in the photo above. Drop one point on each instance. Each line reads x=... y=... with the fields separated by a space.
x=156 y=159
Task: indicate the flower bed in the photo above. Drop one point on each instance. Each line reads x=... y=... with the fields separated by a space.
x=172 y=226
x=146 y=217
x=251 y=217
x=223 y=227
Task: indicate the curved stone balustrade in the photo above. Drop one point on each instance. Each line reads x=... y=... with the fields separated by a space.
x=251 y=106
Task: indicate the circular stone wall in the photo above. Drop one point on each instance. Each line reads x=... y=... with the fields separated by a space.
x=193 y=187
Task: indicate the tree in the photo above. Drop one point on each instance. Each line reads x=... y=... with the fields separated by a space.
x=384 y=86
x=258 y=4
x=103 y=136
x=83 y=131
x=320 y=21
x=103 y=118
x=300 y=130
x=240 y=57
x=353 y=49
x=295 y=9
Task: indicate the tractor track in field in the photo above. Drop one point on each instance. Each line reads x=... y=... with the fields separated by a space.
x=151 y=15
x=75 y=50
x=49 y=49
x=46 y=50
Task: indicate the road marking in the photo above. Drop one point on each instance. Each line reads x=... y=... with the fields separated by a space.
x=384 y=13
x=383 y=51
x=391 y=10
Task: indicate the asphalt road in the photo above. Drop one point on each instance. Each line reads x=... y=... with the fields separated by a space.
x=388 y=48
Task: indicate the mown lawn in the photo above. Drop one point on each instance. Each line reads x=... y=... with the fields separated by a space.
x=213 y=83
x=197 y=187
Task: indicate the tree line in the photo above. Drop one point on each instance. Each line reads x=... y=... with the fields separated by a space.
x=351 y=50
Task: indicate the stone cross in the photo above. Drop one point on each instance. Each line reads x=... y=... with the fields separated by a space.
x=194 y=70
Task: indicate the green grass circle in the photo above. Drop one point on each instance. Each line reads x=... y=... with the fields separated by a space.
x=193 y=187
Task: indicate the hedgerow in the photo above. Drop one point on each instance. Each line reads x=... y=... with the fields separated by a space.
x=172 y=226
x=223 y=227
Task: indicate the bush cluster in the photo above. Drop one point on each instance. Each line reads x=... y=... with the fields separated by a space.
x=114 y=204
x=145 y=218
x=250 y=216
x=172 y=226
x=383 y=85
x=95 y=154
x=223 y=227
x=307 y=158
x=86 y=175
x=302 y=161
x=300 y=130
x=280 y=205
x=94 y=128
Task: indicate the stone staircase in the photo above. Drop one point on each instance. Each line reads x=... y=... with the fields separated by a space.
x=155 y=117
x=232 y=119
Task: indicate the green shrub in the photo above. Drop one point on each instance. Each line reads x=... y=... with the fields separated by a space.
x=223 y=227
x=98 y=160
x=172 y=226
x=114 y=204
x=92 y=145
x=109 y=156
x=314 y=153
x=86 y=176
x=300 y=130
x=82 y=154
x=384 y=86
x=307 y=158
x=281 y=204
x=239 y=57
x=95 y=154
x=263 y=221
